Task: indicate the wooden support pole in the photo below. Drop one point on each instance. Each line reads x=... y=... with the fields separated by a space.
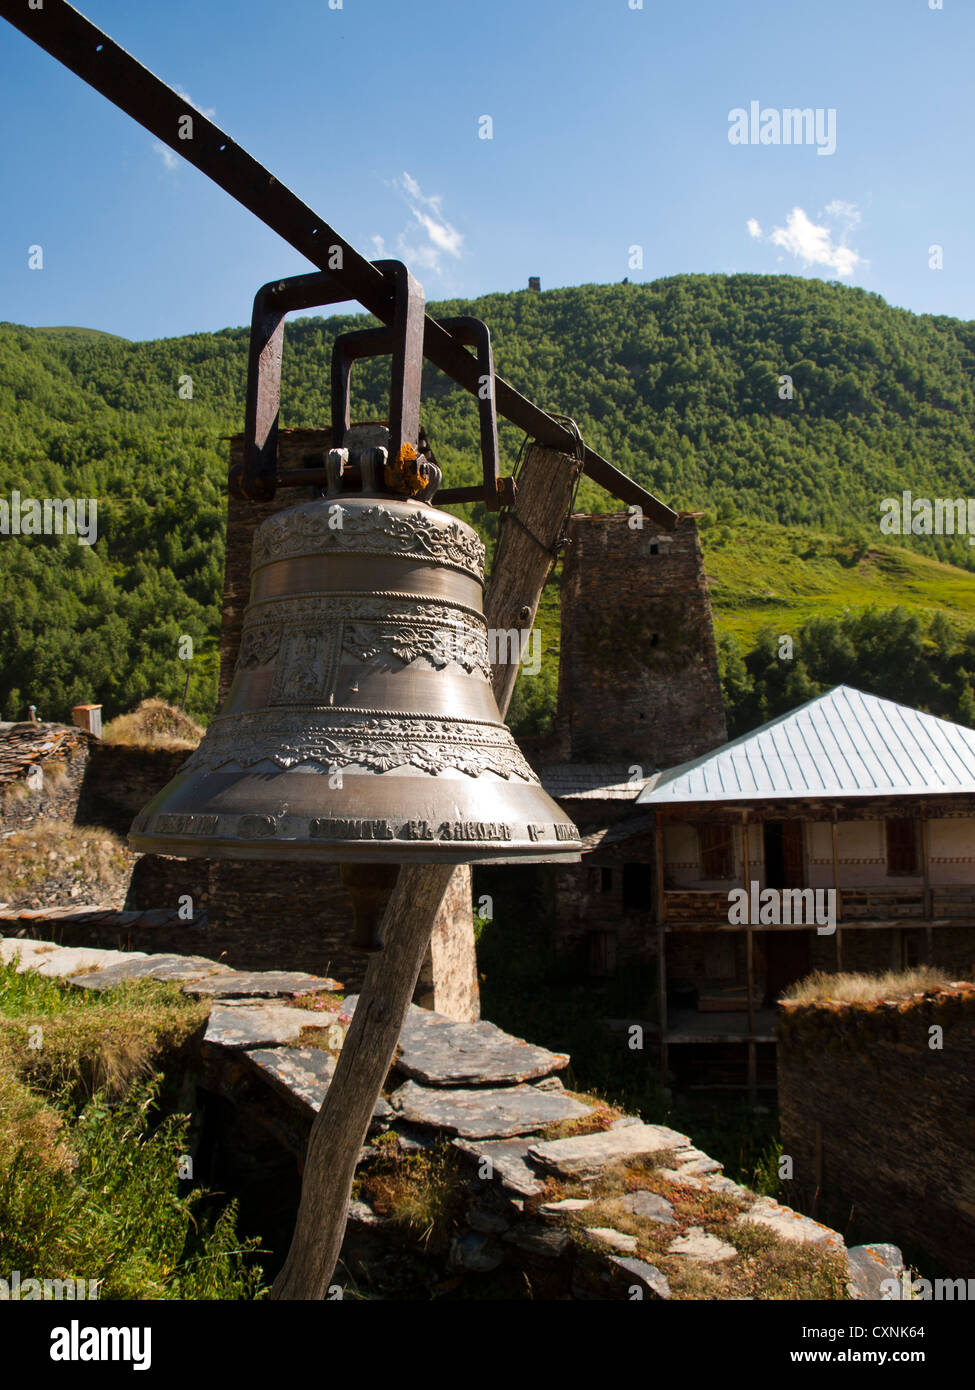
x=522 y=563
x=662 y=1002
x=659 y=822
x=928 y=894
x=834 y=829
x=749 y=966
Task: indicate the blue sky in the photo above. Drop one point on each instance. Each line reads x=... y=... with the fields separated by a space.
x=610 y=131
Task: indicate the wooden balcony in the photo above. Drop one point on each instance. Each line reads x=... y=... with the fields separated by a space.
x=944 y=905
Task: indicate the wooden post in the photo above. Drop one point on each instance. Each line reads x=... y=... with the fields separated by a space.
x=928 y=895
x=522 y=563
x=749 y=966
x=836 y=889
x=662 y=1001
x=659 y=821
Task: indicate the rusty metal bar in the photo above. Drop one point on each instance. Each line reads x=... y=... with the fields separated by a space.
x=73 y=40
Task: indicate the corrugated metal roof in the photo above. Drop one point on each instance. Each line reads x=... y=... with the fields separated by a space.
x=843 y=743
x=594 y=781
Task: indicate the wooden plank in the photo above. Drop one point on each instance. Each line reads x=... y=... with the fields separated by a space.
x=524 y=558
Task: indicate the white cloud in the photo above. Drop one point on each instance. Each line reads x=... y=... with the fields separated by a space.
x=814 y=244
x=169 y=158
x=846 y=212
x=429 y=236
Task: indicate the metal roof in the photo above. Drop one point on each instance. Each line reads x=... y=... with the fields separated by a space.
x=843 y=743
x=591 y=781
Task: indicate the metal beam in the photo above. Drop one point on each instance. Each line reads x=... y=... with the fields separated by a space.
x=67 y=35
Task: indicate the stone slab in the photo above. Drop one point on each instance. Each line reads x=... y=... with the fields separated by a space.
x=698 y=1244
x=650 y=1206
x=646 y=1277
x=616 y=1240
x=475 y=1252
x=509 y=1163
x=257 y=1023
x=688 y=1179
x=586 y=1156
x=437 y=1051
x=542 y=1242
x=566 y=1206
x=302 y=1076
x=487 y=1113
x=149 y=967
x=263 y=983
x=54 y=961
x=870 y=1267
x=791 y=1225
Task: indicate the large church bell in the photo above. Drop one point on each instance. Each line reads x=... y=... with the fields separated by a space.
x=361 y=724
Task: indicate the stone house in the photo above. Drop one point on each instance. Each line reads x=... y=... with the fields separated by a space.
x=866 y=802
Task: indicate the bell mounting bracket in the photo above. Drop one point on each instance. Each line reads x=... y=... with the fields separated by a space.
x=258 y=478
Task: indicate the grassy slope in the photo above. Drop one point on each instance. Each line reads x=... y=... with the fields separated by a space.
x=779 y=576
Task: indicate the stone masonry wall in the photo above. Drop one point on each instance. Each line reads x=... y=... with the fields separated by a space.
x=880 y=1124
x=638 y=675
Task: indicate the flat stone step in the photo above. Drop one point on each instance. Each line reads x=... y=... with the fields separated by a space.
x=486 y=1113
x=791 y=1225
x=586 y=1156
x=302 y=1075
x=438 y=1051
x=258 y=1023
x=507 y=1160
x=266 y=983
x=148 y=967
x=54 y=961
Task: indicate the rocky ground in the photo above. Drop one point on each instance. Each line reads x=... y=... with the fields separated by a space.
x=482 y=1176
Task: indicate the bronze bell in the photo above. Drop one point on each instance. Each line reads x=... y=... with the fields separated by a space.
x=361 y=723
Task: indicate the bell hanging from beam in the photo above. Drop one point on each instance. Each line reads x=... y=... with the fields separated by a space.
x=361 y=724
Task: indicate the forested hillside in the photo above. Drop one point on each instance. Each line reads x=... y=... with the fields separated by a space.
x=677 y=382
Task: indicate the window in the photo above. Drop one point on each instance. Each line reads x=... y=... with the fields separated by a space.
x=901 y=845
x=717 y=851
x=637 y=887
x=605 y=880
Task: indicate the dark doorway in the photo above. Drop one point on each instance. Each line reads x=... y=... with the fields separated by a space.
x=784 y=862
x=787 y=959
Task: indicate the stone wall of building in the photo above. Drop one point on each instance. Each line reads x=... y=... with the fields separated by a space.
x=120 y=780
x=638 y=674
x=49 y=788
x=879 y=1122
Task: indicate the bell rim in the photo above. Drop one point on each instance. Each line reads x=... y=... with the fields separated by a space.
x=352 y=852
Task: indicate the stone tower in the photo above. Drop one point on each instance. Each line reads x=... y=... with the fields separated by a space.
x=638 y=673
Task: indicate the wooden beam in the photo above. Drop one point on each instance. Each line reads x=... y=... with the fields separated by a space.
x=524 y=558
x=662 y=1001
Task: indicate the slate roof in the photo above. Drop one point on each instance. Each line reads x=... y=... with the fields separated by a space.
x=842 y=744
x=24 y=745
x=591 y=781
